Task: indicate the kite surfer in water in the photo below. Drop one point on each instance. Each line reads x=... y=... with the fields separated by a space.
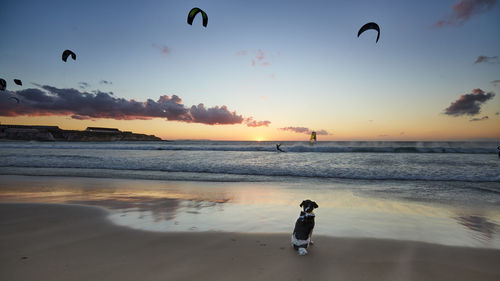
x=312 y=140
x=278 y=147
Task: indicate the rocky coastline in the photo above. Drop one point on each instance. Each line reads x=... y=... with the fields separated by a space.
x=54 y=133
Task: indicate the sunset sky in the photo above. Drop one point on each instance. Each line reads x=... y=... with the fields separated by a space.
x=433 y=75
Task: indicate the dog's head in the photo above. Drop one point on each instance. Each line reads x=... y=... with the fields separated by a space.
x=308 y=205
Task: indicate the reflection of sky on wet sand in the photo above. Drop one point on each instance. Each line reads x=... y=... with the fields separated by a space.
x=261 y=207
x=480 y=227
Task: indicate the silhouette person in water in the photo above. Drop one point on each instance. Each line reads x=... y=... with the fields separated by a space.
x=498 y=147
x=279 y=149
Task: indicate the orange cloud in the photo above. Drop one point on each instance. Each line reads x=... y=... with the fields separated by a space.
x=49 y=101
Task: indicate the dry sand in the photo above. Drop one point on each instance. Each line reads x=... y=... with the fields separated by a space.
x=62 y=242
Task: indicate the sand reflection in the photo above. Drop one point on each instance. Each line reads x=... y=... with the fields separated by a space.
x=262 y=207
x=160 y=201
x=480 y=225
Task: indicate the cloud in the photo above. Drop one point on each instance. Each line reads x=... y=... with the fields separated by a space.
x=297 y=129
x=253 y=123
x=83 y=85
x=463 y=10
x=105 y=82
x=259 y=58
x=322 y=132
x=304 y=130
x=495 y=82
x=260 y=55
x=164 y=49
x=48 y=100
x=479 y=119
x=214 y=115
x=487 y=59
x=469 y=104
x=80 y=117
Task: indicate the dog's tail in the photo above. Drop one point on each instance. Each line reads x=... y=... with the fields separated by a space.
x=300 y=245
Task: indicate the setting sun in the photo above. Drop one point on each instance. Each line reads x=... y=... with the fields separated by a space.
x=133 y=133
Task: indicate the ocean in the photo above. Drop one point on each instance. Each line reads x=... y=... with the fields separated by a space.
x=257 y=161
x=439 y=192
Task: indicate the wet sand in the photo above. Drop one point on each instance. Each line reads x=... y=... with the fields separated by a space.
x=67 y=242
x=255 y=207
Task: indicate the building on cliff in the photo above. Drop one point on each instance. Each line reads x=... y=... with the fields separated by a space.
x=102 y=130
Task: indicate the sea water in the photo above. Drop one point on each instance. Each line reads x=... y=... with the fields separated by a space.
x=440 y=192
x=257 y=161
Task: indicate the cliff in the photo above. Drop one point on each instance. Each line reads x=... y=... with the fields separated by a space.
x=54 y=133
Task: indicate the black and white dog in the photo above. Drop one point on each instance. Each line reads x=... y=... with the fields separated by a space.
x=301 y=237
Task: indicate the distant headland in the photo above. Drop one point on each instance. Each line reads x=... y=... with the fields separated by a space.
x=54 y=133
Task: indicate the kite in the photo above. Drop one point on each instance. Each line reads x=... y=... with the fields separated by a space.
x=18 y=82
x=67 y=53
x=370 y=25
x=3 y=84
x=193 y=13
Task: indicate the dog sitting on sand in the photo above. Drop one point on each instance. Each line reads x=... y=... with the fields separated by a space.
x=302 y=233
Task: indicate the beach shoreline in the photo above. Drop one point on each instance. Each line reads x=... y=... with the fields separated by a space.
x=346 y=209
x=68 y=242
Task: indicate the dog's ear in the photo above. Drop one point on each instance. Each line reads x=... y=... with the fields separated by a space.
x=315 y=205
x=302 y=204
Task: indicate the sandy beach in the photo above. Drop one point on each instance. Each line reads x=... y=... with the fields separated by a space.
x=64 y=242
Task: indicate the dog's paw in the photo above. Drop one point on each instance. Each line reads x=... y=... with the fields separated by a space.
x=302 y=251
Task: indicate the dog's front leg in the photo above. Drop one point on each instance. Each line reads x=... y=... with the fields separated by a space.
x=311 y=237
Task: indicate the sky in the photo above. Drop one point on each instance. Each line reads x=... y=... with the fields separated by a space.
x=260 y=70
